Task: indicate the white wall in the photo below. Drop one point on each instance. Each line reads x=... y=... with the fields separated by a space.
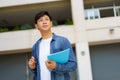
x=16 y=41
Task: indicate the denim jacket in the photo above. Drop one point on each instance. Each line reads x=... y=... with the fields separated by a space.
x=58 y=43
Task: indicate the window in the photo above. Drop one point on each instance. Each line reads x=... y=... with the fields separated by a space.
x=92 y=14
x=106 y=13
x=118 y=11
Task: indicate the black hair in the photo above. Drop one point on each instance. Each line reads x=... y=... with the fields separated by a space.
x=40 y=14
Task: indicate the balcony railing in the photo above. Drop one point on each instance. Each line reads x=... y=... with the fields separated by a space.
x=97 y=13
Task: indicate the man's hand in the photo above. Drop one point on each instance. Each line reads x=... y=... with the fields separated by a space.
x=31 y=63
x=50 y=64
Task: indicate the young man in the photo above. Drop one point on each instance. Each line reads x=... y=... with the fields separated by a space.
x=47 y=44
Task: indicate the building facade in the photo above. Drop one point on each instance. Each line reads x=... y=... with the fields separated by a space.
x=94 y=34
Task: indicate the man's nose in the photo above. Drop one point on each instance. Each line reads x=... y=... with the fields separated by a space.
x=44 y=22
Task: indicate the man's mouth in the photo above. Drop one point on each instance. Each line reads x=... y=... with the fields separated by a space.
x=44 y=26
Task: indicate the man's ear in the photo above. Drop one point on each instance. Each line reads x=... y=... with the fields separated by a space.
x=51 y=23
x=36 y=26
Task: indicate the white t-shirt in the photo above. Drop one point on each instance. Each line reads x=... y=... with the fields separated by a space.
x=44 y=51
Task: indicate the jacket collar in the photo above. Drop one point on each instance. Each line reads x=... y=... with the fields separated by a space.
x=53 y=37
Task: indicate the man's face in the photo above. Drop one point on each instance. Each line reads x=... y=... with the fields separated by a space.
x=44 y=23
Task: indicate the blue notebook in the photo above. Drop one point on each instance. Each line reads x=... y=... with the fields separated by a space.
x=60 y=57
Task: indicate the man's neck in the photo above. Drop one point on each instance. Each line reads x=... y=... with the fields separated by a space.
x=46 y=35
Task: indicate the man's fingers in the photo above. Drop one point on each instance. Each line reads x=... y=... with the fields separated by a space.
x=32 y=60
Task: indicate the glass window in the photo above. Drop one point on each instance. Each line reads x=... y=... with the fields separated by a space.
x=96 y=13
x=92 y=14
x=118 y=11
x=106 y=13
x=86 y=14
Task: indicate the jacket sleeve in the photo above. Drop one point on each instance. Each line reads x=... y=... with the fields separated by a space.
x=33 y=54
x=71 y=65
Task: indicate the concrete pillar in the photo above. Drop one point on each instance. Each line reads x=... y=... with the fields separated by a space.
x=82 y=46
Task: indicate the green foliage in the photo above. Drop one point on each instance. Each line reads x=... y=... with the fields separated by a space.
x=55 y=23
x=26 y=26
x=16 y=28
x=3 y=29
x=69 y=22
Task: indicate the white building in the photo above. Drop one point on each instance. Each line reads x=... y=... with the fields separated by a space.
x=95 y=36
